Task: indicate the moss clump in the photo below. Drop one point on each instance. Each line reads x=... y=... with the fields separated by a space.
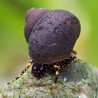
x=75 y=81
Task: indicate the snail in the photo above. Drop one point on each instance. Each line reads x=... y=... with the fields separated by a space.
x=51 y=36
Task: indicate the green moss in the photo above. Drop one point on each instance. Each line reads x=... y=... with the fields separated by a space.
x=74 y=81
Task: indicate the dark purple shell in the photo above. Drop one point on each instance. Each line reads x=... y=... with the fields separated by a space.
x=51 y=37
x=32 y=16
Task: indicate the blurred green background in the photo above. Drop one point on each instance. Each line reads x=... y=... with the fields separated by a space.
x=13 y=47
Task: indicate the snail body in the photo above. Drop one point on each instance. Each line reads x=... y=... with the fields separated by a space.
x=51 y=34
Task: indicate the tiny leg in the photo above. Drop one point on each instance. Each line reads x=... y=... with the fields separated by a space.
x=56 y=76
x=22 y=72
x=73 y=52
x=56 y=68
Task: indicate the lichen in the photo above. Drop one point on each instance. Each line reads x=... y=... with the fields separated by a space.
x=75 y=81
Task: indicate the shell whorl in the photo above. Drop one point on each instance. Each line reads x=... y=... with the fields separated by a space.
x=32 y=16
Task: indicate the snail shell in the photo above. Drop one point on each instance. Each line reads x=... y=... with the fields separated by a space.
x=51 y=34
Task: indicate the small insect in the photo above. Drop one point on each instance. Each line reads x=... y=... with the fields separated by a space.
x=51 y=36
x=38 y=69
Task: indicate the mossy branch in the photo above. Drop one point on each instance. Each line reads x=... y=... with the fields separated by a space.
x=75 y=81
